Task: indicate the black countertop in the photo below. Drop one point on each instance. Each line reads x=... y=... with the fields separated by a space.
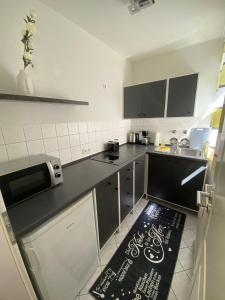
x=79 y=179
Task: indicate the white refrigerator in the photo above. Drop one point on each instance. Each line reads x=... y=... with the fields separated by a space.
x=62 y=254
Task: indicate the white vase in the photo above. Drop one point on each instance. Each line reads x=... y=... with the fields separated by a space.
x=24 y=83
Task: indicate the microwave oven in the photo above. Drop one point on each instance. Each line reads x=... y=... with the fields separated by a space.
x=23 y=178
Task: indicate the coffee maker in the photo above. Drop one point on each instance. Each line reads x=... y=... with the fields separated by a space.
x=144 y=137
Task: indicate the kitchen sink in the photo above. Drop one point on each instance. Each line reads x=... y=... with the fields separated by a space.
x=184 y=152
x=189 y=152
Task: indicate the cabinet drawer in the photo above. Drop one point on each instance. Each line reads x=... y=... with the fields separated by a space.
x=126 y=190
x=139 y=177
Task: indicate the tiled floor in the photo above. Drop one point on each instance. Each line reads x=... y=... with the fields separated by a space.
x=184 y=266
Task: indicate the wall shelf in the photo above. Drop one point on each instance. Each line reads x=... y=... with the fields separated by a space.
x=26 y=98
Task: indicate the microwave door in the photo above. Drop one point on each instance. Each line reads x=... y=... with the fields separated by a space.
x=22 y=184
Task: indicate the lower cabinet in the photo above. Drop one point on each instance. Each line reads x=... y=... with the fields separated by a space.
x=107 y=208
x=126 y=190
x=139 y=178
x=175 y=179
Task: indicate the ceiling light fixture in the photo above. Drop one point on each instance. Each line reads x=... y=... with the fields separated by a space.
x=136 y=5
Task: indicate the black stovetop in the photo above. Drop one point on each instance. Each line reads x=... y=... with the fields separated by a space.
x=114 y=158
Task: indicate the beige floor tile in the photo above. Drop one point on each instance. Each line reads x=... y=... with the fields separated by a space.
x=189 y=237
x=131 y=219
x=86 y=297
x=178 y=267
x=171 y=295
x=183 y=244
x=189 y=273
x=186 y=258
x=180 y=285
x=107 y=253
x=91 y=281
x=120 y=236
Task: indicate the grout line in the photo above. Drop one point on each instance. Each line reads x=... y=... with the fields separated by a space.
x=174 y=293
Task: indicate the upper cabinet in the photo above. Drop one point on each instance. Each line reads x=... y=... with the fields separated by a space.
x=145 y=100
x=132 y=102
x=153 y=99
x=181 y=97
x=164 y=98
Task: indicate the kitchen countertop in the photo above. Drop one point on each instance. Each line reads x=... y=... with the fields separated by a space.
x=79 y=178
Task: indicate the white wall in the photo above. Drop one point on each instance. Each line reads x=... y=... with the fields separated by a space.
x=202 y=58
x=68 y=63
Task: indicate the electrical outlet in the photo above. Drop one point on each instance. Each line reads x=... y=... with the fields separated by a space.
x=85 y=151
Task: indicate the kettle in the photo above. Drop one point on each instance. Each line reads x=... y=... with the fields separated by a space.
x=132 y=138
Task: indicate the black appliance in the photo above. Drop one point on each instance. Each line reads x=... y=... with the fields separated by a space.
x=114 y=158
x=113 y=146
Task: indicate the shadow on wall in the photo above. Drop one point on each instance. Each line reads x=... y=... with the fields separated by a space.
x=7 y=81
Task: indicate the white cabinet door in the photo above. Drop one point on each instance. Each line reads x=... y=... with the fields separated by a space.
x=63 y=253
x=11 y=283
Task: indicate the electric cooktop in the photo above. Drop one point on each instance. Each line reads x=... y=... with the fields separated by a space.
x=114 y=158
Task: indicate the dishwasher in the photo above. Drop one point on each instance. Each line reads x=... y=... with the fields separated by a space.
x=62 y=254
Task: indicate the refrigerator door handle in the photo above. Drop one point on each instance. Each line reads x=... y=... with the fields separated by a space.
x=34 y=261
x=35 y=267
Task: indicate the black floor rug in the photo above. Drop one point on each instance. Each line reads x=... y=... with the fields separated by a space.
x=143 y=266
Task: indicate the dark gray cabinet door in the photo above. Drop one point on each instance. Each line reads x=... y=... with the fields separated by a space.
x=170 y=178
x=126 y=190
x=181 y=97
x=107 y=208
x=132 y=101
x=153 y=99
x=139 y=177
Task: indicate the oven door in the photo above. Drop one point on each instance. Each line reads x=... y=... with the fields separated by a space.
x=22 y=184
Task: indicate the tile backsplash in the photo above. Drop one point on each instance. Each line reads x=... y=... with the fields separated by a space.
x=169 y=127
x=69 y=141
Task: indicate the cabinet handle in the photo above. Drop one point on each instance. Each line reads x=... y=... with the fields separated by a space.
x=128 y=193
x=108 y=183
x=128 y=179
x=128 y=169
x=116 y=189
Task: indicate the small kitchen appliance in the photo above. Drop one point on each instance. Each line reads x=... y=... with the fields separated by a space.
x=113 y=146
x=145 y=138
x=132 y=138
x=24 y=177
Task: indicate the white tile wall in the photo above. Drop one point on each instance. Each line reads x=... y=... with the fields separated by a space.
x=69 y=141
x=13 y=134
x=1 y=138
x=51 y=144
x=166 y=125
x=35 y=147
x=32 y=132
x=48 y=130
x=3 y=154
x=62 y=129
x=74 y=140
x=64 y=142
x=17 y=150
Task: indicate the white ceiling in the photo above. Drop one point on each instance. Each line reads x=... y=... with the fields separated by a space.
x=167 y=25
